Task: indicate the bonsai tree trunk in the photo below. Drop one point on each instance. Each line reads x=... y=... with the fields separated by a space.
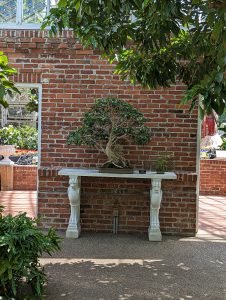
x=115 y=156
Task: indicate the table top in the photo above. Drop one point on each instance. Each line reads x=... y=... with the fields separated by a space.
x=97 y=173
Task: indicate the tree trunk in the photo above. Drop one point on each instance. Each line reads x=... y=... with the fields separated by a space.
x=115 y=156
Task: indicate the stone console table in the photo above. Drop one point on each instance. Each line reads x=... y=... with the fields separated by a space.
x=74 y=228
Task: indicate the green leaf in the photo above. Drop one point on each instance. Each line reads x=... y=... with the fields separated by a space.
x=62 y=3
x=77 y=5
x=3 y=266
x=4 y=103
x=219 y=77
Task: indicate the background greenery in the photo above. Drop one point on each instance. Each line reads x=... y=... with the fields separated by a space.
x=24 y=137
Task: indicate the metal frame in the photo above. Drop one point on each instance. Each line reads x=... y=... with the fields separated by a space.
x=199 y=133
x=19 y=18
x=8 y=116
x=39 y=87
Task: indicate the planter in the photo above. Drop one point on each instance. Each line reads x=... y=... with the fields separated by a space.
x=115 y=170
x=24 y=157
x=6 y=151
x=28 y=159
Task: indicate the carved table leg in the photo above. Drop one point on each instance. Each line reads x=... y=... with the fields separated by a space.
x=74 y=229
x=154 y=232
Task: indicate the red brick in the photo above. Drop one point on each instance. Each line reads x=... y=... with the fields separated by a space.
x=24 y=178
x=76 y=77
x=213 y=177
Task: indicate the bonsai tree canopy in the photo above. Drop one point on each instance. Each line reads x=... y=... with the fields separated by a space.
x=109 y=123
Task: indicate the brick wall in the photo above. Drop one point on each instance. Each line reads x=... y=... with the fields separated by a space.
x=213 y=177
x=25 y=178
x=131 y=197
x=71 y=79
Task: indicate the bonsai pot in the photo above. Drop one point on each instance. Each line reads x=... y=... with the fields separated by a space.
x=160 y=172
x=111 y=168
x=115 y=170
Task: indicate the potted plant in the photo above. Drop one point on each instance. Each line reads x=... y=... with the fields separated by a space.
x=161 y=164
x=110 y=123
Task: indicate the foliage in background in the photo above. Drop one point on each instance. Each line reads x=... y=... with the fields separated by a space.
x=7 y=87
x=21 y=245
x=223 y=145
x=32 y=105
x=222 y=128
x=24 y=137
x=110 y=122
x=156 y=42
x=222 y=118
x=221 y=124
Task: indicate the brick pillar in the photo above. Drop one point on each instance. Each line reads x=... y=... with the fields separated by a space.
x=6 y=173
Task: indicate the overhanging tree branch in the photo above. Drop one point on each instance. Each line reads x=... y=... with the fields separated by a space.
x=150 y=40
x=7 y=86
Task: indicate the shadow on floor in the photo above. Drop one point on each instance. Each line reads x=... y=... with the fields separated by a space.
x=102 y=266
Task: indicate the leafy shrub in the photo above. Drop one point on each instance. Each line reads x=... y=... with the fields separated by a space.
x=32 y=105
x=223 y=145
x=161 y=164
x=21 y=245
x=24 y=137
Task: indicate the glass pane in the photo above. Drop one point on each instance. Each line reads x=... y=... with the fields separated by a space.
x=18 y=112
x=34 y=11
x=53 y=3
x=8 y=11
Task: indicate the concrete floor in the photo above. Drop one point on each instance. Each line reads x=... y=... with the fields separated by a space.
x=103 y=266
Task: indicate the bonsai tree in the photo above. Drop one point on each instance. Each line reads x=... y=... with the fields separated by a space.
x=109 y=123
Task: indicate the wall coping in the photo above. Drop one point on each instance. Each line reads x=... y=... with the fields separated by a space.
x=25 y=166
x=214 y=160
